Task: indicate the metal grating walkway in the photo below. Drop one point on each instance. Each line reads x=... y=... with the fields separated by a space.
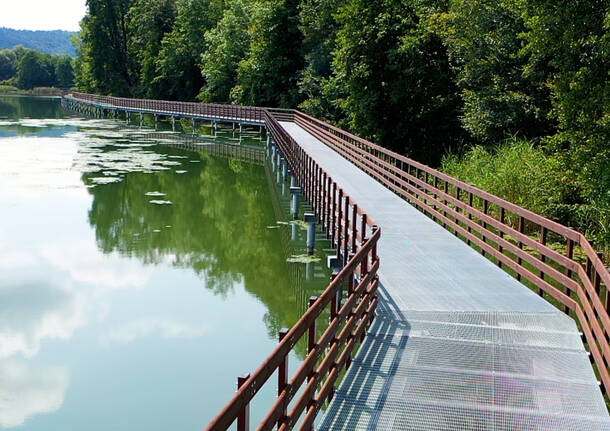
x=458 y=344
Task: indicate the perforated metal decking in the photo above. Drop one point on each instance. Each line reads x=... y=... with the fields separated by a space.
x=458 y=344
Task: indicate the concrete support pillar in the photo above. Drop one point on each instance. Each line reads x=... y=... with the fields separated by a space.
x=310 y=219
x=294 y=204
x=294 y=231
x=309 y=271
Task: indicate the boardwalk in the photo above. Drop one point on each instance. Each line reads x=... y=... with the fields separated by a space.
x=458 y=343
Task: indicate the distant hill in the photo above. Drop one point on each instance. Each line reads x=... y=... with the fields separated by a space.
x=49 y=42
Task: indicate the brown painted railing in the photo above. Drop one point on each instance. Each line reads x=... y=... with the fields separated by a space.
x=517 y=239
x=164 y=107
x=346 y=226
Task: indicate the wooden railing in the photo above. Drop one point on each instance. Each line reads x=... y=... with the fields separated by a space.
x=516 y=239
x=346 y=226
x=164 y=107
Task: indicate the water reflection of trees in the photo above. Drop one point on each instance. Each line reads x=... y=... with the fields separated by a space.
x=219 y=216
x=18 y=107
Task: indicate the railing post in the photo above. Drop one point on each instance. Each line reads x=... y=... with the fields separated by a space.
x=364 y=269
x=327 y=205
x=598 y=279
x=310 y=219
x=500 y=248
x=282 y=378
x=469 y=214
x=521 y=230
x=543 y=232
x=569 y=255
x=243 y=420
x=339 y=220
x=333 y=210
x=354 y=227
x=312 y=335
x=483 y=236
x=345 y=230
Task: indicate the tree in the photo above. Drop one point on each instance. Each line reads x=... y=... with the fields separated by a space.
x=104 y=64
x=568 y=46
x=319 y=26
x=399 y=90
x=178 y=73
x=64 y=71
x=8 y=64
x=227 y=45
x=268 y=75
x=35 y=70
x=484 y=44
x=153 y=19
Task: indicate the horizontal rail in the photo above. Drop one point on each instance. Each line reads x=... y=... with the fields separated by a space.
x=516 y=238
x=166 y=107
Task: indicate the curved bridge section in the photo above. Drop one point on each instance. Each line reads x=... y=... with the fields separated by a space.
x=485 y=316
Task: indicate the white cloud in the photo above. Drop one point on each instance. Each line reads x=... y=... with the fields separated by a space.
x=42 y=14
x=31 y=313
x=25 y=392
x=85 y=264
x=145 y=327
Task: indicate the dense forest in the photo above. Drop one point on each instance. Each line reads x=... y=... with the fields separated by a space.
x=511 y=95
x=47 y=42
x=27 y=68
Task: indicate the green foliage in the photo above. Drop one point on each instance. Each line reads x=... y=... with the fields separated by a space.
x=569 y=47
x=515 y=170
x=319 y=25
x=8 y=64
x=26 y=69
x=104 y=65
x=153 y=19
x=484 y=43
x=178 y=66
x=227 y=44
x=64 y=72
x=268 y=75
x=396 y=78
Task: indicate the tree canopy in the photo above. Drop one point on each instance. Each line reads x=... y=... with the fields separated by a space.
x=27 y=68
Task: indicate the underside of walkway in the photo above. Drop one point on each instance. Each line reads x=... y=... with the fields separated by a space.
x=458 y=344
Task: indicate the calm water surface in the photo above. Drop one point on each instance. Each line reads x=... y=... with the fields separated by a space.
x=137 y=279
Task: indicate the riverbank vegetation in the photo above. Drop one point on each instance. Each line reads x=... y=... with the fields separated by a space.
x=511 y=95
x=25 y=69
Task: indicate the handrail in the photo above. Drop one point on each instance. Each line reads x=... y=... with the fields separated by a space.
x=452 y=202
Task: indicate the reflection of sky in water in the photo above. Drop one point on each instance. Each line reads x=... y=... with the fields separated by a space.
x=103 y=341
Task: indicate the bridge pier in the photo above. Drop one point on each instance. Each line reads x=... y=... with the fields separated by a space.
x=173 y=124
x=310 y=219
x=294 y=204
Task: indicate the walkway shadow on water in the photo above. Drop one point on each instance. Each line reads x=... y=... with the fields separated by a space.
x=359 y=402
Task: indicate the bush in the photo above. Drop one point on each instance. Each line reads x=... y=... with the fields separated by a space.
x=517 y=171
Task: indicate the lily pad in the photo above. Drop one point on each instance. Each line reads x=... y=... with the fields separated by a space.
x=303 y=258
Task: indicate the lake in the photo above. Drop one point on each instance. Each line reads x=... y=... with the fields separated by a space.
x=138 y=279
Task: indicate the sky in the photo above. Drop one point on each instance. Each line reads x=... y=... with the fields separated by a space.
x=42 y=14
